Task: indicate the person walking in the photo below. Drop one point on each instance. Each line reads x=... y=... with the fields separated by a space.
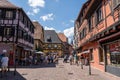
x=71 y=59
x=4 y=62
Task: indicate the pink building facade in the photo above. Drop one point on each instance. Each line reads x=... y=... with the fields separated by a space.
x=97 y=31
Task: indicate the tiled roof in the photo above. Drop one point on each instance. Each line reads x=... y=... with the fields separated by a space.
x=38 y=31
x=63 y=37
x=7 y=4
x=51 y=34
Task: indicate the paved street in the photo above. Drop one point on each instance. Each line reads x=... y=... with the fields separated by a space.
x=62 y=71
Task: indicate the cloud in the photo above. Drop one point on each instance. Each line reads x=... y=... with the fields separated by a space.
x=30 y=13
x=35 y=6
x=69 y=33
x=72 y=21
x=36 y=3
x=36 y=10
x=65 y=24
x=33 y=11
x=47 y=17
x=51 y=28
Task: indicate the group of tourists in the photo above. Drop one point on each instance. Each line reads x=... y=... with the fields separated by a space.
x=51 y=58
x=38 y=59
x=75 y=59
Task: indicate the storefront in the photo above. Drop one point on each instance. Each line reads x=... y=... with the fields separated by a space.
x=112 y=51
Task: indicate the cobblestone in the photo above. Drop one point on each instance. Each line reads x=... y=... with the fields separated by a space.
x=62 y=71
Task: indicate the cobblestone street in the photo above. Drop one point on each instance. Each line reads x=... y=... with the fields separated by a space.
x=62 y=71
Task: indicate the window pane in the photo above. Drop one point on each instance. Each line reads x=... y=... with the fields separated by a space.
x=91 y=54
x=101 y=56
x=7 y=31
x=9 y=14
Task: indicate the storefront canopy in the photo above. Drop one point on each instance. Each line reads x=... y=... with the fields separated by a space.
x=115 y=53
x=39 y=52
x=86 y=51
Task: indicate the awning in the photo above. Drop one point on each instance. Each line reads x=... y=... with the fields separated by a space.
x=86 y=51
x=39 y=52
x=28 y=49
x=111 y=37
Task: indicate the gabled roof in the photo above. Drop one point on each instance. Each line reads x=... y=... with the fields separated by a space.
x=50 y=36
x=63 y=37
x=7 y=4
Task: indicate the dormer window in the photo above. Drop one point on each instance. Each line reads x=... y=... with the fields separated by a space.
x=49 y=39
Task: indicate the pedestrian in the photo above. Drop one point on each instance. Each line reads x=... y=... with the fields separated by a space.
x=4 y=62
x=56 y=60
x=86 y=61
x=82 y=59
x=70 y=58
x=46 y=59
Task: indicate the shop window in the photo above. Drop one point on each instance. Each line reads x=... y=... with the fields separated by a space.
x=91 y=54
x=101 y=55
x=115 y=53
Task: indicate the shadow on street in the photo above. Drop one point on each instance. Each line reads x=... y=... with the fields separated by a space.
x=10 y=76
x=41 y=65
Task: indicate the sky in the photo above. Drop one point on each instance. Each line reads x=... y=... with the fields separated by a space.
x=58 y=15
